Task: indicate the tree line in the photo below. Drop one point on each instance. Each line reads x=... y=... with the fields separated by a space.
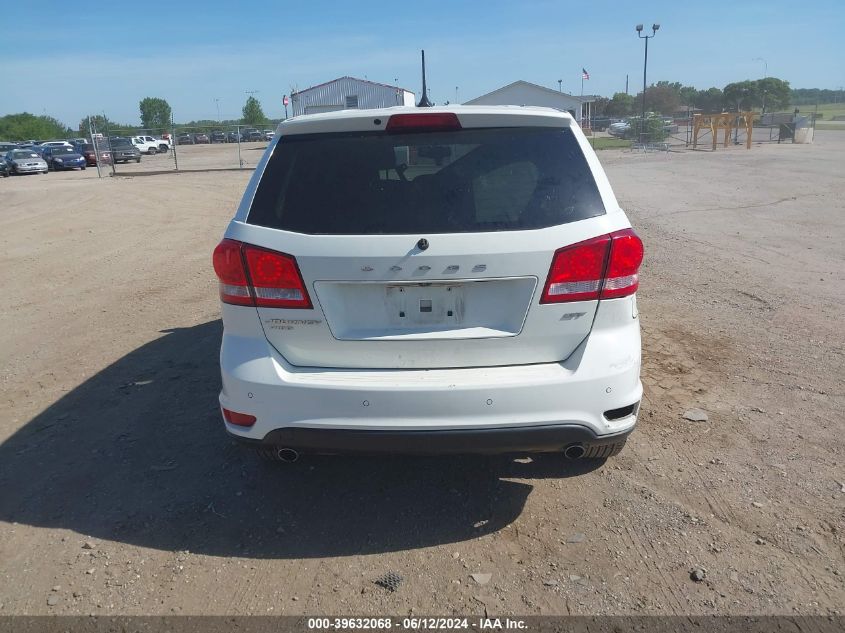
x=666 y=97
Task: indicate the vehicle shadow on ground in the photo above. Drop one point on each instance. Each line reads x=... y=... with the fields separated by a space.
x=137 y=454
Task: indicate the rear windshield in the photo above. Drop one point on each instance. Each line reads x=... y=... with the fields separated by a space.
x=465 y=181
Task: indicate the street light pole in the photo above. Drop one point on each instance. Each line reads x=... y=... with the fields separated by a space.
x=560 y=85
x=217 y=101
x=654 y=29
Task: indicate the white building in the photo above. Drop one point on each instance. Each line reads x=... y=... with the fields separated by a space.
x=525 y=93
x=347 y=93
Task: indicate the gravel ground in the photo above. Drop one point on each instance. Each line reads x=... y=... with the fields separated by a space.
x=122 y=495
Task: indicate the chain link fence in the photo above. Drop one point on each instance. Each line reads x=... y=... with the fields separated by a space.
x=137 y=151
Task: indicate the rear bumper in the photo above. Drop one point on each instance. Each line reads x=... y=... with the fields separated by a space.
x=534 y=439
x=542 y=407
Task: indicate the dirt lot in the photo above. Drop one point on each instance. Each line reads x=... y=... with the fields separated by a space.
x=121 y=493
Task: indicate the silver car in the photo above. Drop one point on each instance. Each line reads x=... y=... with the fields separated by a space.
x=25 y=161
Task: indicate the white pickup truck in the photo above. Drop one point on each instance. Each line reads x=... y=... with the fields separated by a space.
x=150 y=144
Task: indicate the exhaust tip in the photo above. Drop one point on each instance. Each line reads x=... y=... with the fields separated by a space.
x=574 y=451
x=287 y=455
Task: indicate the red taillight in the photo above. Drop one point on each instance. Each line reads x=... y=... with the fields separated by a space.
x=576 y=272
x=254 y=276
x=229 y=266
x=276 y=281
x=626 y=255
x=604 y=267
x=239 y=419
x=423 y=122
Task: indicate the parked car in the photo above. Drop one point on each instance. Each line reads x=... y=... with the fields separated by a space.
x=7 y=147
x=201 y=139
x=56 y=144
x=618 y=129
x=268 y=135
x=601 y=123
x=477 y=294
x=162 y=144
x=234 y=137
x=218 y=137
x=123 y=150
x=251 y=134
x=144 y=146
x=60 y=157
x=185 y=139
x=25 y=161
x=4 y=169
x=90 y=153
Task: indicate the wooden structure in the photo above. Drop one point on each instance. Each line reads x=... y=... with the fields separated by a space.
x=724 y=121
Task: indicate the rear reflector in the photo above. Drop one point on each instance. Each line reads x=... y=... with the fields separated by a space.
x=239 y=419
x=604 y=267
x=254 y=276
x=423 y=122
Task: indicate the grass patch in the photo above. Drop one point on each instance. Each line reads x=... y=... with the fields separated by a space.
x=829 y=110
x=609 y=143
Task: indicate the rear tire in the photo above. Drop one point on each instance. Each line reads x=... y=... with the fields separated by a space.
x=138 y=160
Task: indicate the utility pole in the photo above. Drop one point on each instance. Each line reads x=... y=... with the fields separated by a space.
x=217 y=101
x=560 y=85
x=654 y=28
x=626 y=83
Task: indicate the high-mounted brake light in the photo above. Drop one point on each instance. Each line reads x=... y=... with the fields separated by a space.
x=423 y=122
x=605 y=267
x=254 y=276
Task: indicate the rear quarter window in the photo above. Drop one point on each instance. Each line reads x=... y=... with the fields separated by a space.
x=464 y=181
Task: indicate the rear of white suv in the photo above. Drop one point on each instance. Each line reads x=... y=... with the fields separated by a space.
x=444 y=280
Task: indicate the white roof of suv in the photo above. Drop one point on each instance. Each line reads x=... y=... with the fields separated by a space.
x=469 y=116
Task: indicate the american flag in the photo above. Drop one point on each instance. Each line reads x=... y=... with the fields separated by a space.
x=584 y=74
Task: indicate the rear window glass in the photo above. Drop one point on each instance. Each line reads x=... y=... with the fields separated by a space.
x=465 y=181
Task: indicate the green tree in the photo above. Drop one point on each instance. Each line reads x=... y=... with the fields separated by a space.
x=105 y=126
x=620 y=105
x=155 y=113
x=25 y=126
x=709 y=101
x=774 y=93
x=688 y=95
x=598 y=106
x=663 y=98
x=743 y=95
x=252 y=112
x=654 y=130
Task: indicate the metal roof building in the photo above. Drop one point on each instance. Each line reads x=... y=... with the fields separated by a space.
x=348 y=93
x=525 y=93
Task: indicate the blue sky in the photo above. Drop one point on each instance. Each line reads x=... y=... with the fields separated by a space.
x=69 y=60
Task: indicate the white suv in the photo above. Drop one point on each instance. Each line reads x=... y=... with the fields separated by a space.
x=443 y=280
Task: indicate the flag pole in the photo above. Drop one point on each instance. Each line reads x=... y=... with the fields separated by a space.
x=581 y=121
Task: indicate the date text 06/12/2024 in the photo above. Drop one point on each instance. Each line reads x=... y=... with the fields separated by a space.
x=414 y=624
